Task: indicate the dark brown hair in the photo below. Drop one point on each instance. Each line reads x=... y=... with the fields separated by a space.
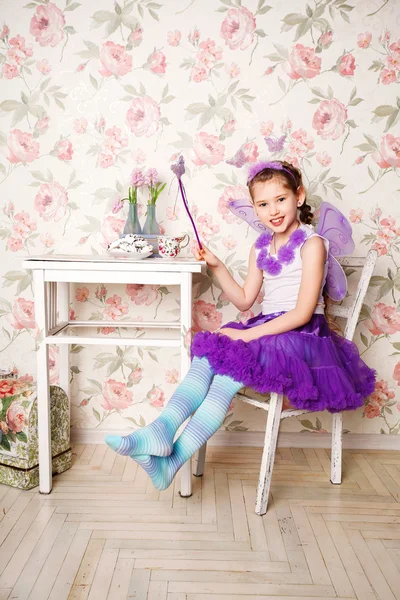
x=292 y=180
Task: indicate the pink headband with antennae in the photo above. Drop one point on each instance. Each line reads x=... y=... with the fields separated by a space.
x=260 y=166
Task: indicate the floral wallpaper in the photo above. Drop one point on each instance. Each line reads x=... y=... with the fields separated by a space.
x=92 y=90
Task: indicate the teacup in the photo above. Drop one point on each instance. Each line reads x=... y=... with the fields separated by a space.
x=169 y=247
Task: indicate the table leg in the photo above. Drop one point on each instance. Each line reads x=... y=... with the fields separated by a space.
x=186 y=324
x=43 y=395
x=63 y=315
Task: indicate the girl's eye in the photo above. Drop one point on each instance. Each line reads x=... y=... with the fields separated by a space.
x=263 y=204
x=281 y=199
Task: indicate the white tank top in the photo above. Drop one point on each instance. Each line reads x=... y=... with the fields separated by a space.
x=281 y=291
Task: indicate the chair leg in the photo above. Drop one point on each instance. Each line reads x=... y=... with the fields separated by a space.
x=268 y=457
x=199 y=459
x=336 y=453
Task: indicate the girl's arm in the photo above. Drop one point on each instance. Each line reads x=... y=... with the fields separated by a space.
x=313 y=257
x=242 y=297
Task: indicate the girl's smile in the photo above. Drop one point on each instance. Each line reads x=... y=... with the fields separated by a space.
x=277 y=222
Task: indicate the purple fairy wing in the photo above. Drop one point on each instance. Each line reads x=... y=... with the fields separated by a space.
x=334 y=226
x=245 y=211
x=336 y=281
x=238 y=160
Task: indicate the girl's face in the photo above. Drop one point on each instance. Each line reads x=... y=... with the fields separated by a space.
x=276 y=205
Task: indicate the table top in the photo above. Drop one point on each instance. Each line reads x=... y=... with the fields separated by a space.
x=107 y=262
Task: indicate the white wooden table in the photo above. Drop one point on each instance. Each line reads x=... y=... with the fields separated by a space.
x=52 y=275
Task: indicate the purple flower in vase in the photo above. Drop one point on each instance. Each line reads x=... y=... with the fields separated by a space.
x=151 y=177
x=137 y=178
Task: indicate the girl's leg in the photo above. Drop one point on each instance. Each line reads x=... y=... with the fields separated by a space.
x=206 y=421
x=158 y=437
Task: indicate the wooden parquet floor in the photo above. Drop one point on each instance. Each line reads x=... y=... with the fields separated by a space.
x=105 y=533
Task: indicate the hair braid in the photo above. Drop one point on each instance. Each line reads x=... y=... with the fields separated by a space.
x=306 y=215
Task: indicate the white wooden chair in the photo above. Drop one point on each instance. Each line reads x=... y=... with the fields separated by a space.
x=274 y=406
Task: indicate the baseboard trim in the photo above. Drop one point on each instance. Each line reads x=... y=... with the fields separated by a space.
x=351 y=441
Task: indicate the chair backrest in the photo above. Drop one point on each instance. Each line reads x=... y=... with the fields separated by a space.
x=351 y=313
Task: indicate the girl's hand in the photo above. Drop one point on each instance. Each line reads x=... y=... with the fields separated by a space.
x=235 y=334
x=206 y=254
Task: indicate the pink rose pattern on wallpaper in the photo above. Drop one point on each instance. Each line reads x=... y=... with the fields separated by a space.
x=87 y=96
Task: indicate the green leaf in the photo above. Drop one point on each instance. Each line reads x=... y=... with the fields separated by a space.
x=21 y=436
x=154 y=14
x=72 y=6
x=384 y=110
x=275 y=57
x=365 y=147
x=113 y=25
x=371 y=141
x=318 y=92
x=96 y=384
x=294 y=19
x=197 y=108
x=385 y=289
x=392 y=119
x=307 y=423
x=365 y=312
x=364 y=339
x=92 y=48
x=114 y=366
x=5 y=444
x=96 y=414
x=75 y=349
x=102 y=16
x=14 y=275
x=302 y=29
x=94 y=83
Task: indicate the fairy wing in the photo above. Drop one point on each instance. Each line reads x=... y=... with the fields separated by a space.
x=336 y=281
x=334 y=226
x=243 y=210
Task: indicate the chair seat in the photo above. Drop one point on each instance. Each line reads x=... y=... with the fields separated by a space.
x=264 y=405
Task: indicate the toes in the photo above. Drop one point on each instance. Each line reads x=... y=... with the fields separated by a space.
x=114 y=441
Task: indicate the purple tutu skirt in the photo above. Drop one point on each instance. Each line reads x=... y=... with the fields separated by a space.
x=313 y=366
